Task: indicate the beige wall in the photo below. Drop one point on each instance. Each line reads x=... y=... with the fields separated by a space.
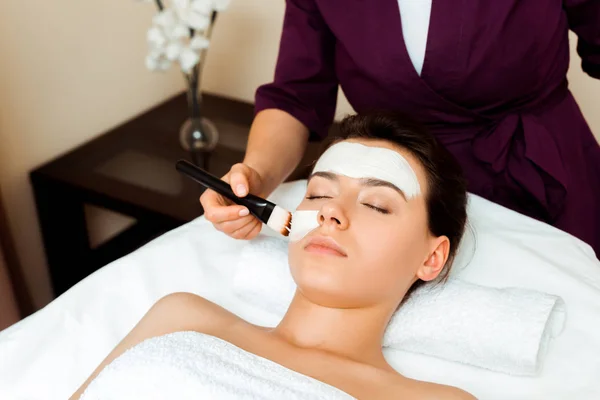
x=70 y=70
x=585 y=89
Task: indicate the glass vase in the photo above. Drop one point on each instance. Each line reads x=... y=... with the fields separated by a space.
x=198 y=135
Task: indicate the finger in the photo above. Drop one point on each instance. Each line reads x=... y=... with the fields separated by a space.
x=246 y=231
x=239 y=179
x=222 y=214
x=255 y=232
x=229 y=227
x=210 y=200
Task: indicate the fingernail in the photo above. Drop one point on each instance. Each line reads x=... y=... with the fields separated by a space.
x=241 y=190
x=244 y=212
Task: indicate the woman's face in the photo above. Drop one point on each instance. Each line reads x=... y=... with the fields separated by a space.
x=372 y=241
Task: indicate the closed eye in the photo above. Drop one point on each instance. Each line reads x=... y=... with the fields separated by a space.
x=378 y=209
x=318 y=197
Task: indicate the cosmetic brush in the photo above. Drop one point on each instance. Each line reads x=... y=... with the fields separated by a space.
x=275 y=217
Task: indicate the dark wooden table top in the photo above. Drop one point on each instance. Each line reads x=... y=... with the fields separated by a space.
x=131 y=168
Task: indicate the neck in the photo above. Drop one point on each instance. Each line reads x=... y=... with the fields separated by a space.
x=355 y=334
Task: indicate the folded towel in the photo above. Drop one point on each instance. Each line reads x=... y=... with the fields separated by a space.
x=501 y=329
x=505 y=330
x=192 y=365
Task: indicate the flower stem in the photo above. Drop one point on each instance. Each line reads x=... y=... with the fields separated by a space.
x=193 y=93
x=193 y=78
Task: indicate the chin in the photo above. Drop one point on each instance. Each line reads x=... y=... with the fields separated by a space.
x=318 y=274
x=323 y=287
x=327 y=298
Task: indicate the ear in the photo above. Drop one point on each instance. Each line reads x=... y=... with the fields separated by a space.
x=434 y=264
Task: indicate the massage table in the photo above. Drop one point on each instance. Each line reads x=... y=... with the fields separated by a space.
x=49 y=354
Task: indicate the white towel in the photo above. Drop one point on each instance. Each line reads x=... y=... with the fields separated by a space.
x=192 y=365
x=505 y=330
x=500 y=329
x=263 y=276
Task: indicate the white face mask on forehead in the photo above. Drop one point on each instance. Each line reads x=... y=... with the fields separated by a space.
x=358 y=161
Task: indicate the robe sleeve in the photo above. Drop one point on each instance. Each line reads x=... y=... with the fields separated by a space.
x=305 y=83
x=584 y=20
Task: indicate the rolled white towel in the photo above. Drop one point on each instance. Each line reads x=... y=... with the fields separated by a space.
x=501 y=329
x=505 y=330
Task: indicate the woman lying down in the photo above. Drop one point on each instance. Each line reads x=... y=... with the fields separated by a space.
x=389 y=210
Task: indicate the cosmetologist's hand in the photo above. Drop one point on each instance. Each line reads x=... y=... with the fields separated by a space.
x=229 y=218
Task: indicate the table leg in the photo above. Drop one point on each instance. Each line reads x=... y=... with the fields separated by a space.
x=64 y=232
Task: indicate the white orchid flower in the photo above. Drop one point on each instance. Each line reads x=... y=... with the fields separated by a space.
x=156 y=38
x=199 y=42
x=173 y=50
x=169 y=38
x=188 y=58
x=195 y=13
x=157 y=62
x=171 y=25
x=165 y=18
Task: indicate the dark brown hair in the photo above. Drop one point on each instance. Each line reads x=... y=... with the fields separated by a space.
x=446 y=195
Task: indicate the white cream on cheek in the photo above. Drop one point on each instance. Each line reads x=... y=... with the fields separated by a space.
x=303 y=222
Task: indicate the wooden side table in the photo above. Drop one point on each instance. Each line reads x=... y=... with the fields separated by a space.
x=131 y=170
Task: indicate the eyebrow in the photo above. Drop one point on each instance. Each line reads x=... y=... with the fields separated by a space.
x=330 y=176
x=370 y=182
x=379 y=183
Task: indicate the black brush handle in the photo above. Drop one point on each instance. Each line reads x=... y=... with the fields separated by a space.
x=258 y=206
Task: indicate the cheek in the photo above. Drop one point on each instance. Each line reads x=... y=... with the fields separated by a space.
x=293 y=254
x=390 y=253
x=296 y=258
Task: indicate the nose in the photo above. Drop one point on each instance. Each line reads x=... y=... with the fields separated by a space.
x=331 y=214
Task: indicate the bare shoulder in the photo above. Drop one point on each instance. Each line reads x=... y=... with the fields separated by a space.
x=173 y=313
x=188 y=312
x=452 y=393
x=431 y=391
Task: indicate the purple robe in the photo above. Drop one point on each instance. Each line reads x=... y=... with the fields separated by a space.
x=493 y=90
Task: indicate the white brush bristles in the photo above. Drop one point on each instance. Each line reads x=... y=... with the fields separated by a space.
x=280 y=221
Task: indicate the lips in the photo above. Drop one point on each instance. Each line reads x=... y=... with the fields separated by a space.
x=324 y=245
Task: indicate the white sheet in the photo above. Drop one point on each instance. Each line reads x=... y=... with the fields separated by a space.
x=48 y=355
